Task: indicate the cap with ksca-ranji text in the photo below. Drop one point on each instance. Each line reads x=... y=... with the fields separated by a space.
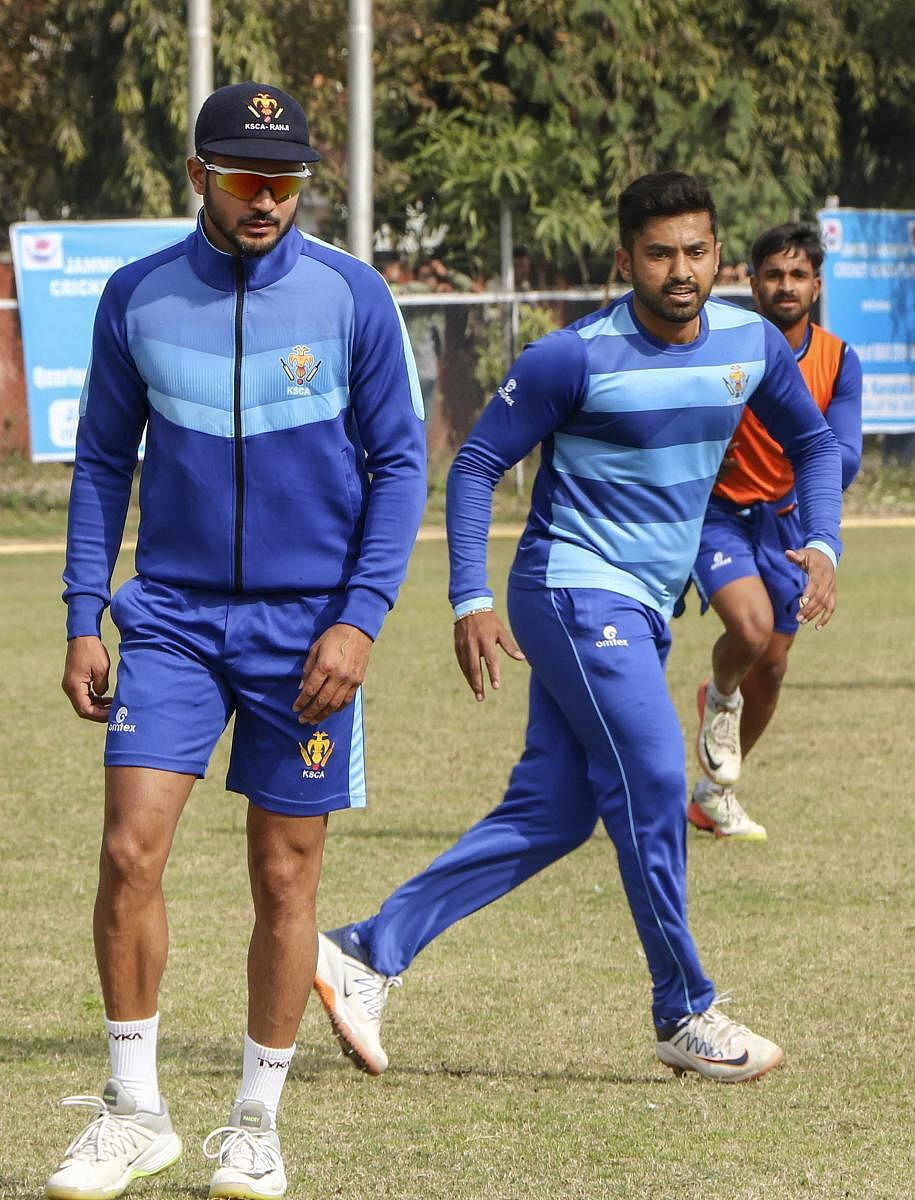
x=253 y=120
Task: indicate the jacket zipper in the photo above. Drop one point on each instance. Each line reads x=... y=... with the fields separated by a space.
x=237 y=578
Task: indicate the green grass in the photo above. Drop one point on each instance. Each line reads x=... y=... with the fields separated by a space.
x=521 y=1043
x=33 y=496
x=33 y=500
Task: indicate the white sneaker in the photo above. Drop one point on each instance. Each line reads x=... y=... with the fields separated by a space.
x=119 y=1144
x=247 y=1151
x=718 y=1048
x=717 y=810
x=718 y=740
x=354 y=996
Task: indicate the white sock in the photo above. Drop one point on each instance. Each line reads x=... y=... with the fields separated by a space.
x=729 y=700
x=264 y=1071
x=132 y=1046
x=707 y=788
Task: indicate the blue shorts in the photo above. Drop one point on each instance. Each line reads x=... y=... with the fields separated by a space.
x=190 y=659
x=737 y=543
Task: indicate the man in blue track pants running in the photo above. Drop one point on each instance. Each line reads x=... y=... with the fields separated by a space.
x=633 y=407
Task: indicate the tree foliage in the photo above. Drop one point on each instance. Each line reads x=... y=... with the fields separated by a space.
x=550 y=106
x=555 y=106
x=95 y=111
x=875 y=90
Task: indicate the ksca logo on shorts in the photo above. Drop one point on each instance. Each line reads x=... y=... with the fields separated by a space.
x=119 y=724
x=316 y=751
x=609 y=638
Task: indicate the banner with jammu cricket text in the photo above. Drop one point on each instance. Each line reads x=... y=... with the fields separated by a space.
x=61 y=270
x=869 y=302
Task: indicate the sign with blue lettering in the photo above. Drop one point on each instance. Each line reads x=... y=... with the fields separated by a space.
x=869 y=302
x=61 y=270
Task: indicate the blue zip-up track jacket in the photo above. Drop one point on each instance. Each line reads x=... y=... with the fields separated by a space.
x=285 y=448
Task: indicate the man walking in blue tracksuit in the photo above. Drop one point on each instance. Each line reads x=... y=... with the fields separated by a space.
x=633 y=407
x=282 y=488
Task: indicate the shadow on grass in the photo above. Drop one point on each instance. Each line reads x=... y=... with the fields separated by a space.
x=90 y=1046
x=443 y=1071
x=611 y=1077
x=218 y=1060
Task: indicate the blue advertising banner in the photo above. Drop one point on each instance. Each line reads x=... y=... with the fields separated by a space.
x=869 y=302
x=61 y=269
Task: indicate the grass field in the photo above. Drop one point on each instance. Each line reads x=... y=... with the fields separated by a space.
x=521 y=1043
x=33 y=496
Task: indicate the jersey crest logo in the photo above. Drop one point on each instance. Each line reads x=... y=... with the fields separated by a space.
x=736 y=381
x=265 y=107
x=300 y=366
x=315 y=753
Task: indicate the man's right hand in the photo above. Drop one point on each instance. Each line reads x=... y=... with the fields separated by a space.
x=86 y=677
x=476 y=637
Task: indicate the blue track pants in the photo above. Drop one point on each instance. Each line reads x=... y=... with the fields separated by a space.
x=603 y=743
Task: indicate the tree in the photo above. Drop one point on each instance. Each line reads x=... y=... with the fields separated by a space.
x=552 y=106
x=555 y=105
x=97 y=102
x=875 y=95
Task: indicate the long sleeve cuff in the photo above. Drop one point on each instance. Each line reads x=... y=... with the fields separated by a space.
x=477 y=604
x=84 y=616
x=826 y=549
x=365 y=609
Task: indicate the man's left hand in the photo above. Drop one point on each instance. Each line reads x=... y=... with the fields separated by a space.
x=334 y=669
x=818 y=602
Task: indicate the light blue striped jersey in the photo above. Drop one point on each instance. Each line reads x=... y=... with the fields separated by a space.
x=632 y=433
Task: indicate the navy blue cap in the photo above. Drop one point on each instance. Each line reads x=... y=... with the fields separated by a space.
x=253 y=120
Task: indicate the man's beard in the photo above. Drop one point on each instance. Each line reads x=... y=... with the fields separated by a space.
x=678 y=314
x=784 y=323
x=252 y=248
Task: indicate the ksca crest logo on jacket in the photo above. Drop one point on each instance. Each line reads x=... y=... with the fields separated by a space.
x=316 y=751
x=300 y=367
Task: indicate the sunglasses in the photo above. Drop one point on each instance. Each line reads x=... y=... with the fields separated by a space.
x=245 y=185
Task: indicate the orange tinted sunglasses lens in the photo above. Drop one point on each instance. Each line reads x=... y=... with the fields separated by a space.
x=247 y=186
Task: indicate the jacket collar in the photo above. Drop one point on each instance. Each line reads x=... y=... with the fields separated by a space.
x=218 y=269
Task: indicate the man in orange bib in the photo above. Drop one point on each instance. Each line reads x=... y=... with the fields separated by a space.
x=746 y=568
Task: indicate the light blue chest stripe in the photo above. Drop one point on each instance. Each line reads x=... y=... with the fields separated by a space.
x=659 y=388
x=729 y=316
x=263 y=418
x=571 y=566
x=630 y=542
x=661 y=467
x=616 y=324
x=416 y=392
